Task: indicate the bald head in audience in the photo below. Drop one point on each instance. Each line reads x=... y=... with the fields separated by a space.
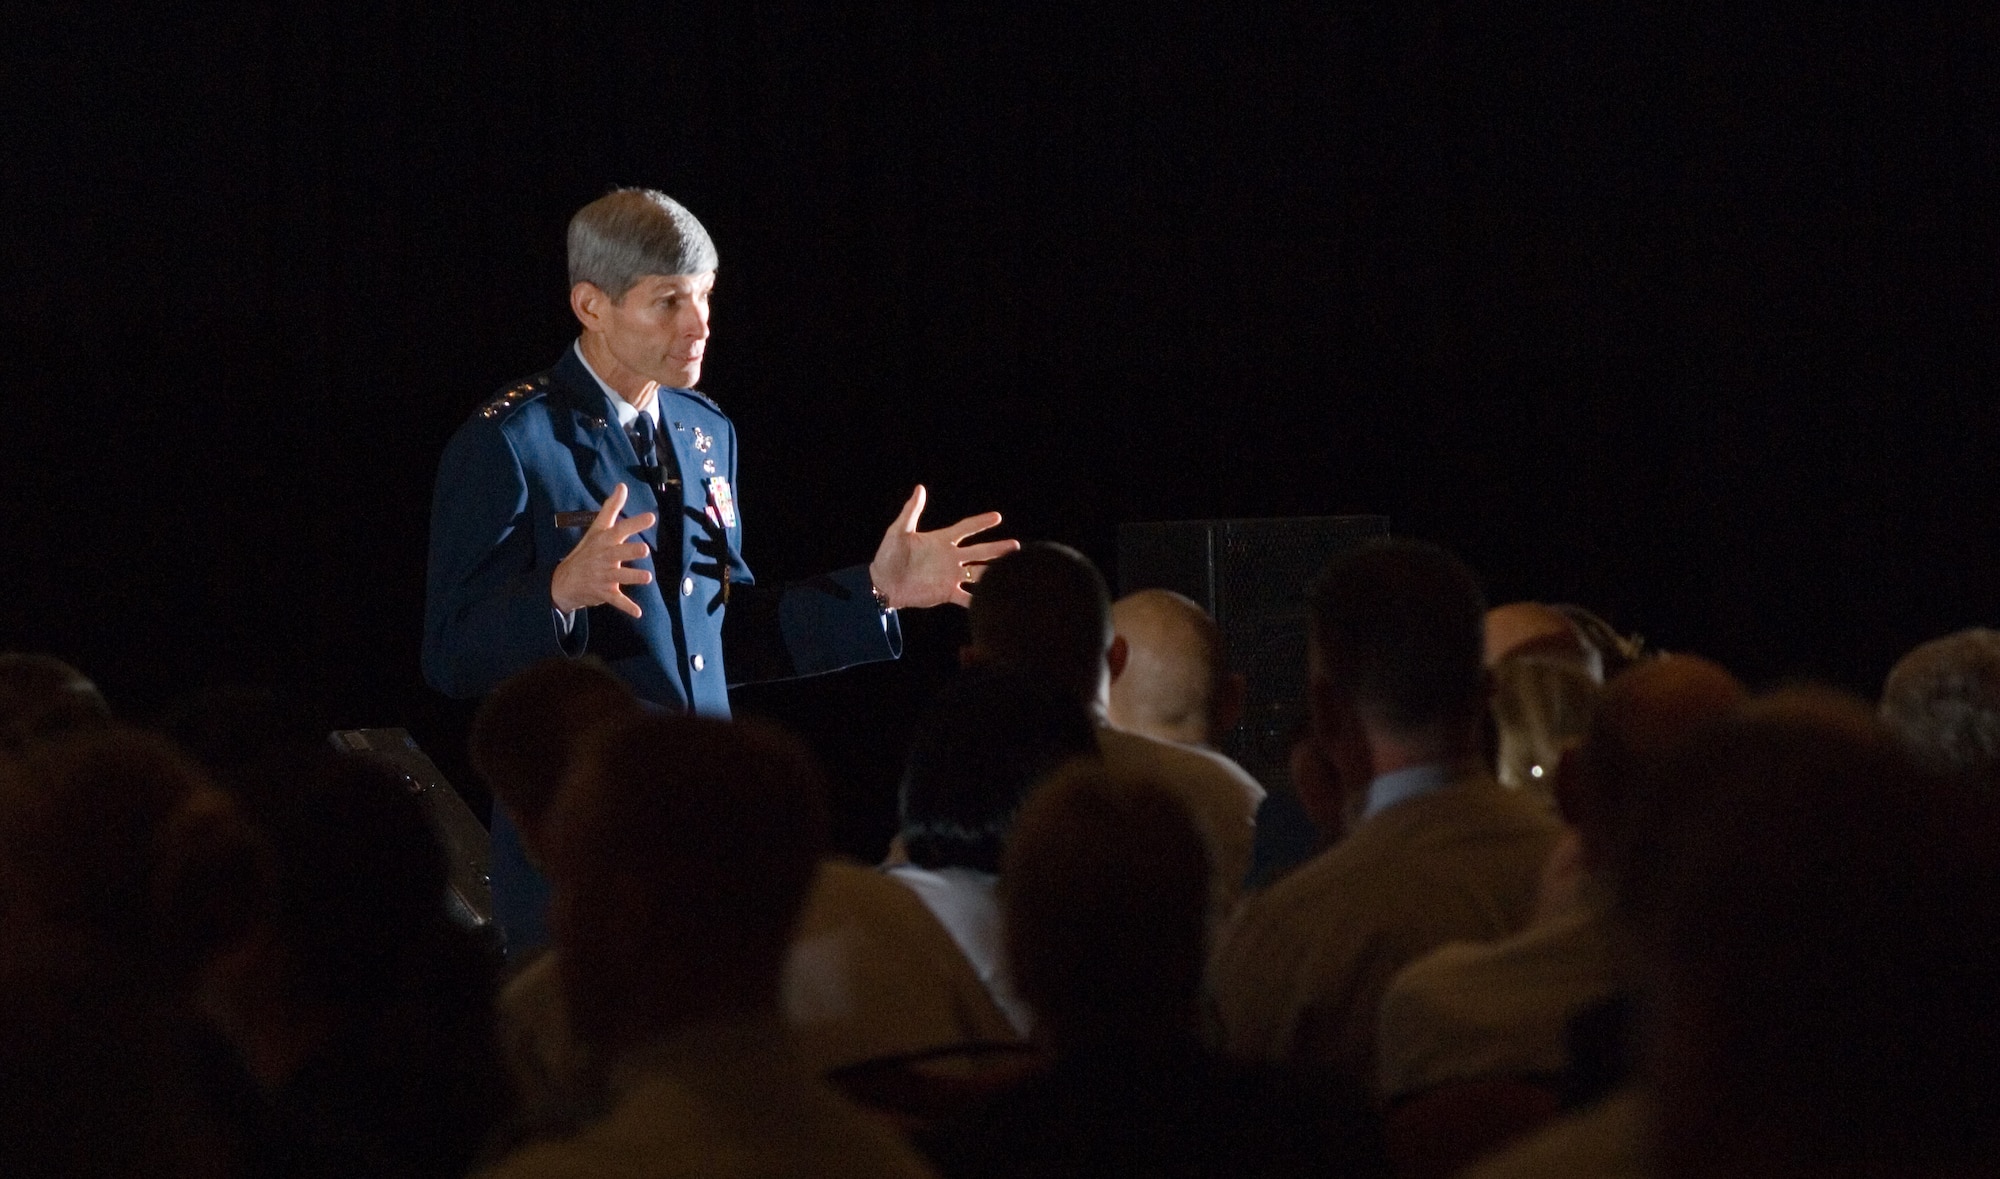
x=1942 y=701
x=1172 y=683
x=1044 y=612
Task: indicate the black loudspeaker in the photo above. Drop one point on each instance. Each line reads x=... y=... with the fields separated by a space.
x=463 y=836
x=1252 y=575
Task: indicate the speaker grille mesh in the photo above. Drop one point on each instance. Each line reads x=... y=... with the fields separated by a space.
x=1252 y=575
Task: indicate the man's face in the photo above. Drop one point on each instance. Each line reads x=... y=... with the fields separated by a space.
x=660 y=328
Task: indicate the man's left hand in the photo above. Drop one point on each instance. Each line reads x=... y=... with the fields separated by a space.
x=914 y=569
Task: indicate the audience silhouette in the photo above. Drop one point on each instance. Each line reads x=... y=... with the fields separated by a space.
x=1581 y=909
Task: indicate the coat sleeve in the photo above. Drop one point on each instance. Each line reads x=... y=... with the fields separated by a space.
x=804 y=628
x=807 y=628
x=487 y=609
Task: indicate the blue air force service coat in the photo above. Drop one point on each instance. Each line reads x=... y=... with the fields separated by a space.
x=519 y=484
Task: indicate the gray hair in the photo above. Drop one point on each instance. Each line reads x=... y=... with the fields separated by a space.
x=1943 y=701
x=629 y=233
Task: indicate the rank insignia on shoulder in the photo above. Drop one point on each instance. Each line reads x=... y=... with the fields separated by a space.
x=510 y=399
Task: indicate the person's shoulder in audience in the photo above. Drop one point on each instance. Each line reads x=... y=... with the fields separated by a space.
x=1394 y=863
x=1299 y=974
x=1606 y=1141
x=722 y=1102
x=1221 y=794
x=556 y=1080
x=872 y=975
x=1135 y=751
x=41 y=696
x=1469 y=1010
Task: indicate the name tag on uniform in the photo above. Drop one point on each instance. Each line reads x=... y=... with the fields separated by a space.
x=721 y=502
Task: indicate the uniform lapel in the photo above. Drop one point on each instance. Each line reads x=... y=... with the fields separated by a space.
x=603 y=452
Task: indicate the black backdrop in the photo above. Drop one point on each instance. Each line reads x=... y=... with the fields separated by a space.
x=1688 y=318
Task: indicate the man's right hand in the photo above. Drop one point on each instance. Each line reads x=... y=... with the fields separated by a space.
x=595 y=573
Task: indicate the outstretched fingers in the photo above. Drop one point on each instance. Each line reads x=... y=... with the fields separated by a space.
x=620 y=602
x=608 y=514
x=631 y=525
x=913 y=508
x=971 y=526
x=991 y=550
x=594 y=572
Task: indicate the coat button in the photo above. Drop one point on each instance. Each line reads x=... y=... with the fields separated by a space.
x=699 y=663
x=687 y=587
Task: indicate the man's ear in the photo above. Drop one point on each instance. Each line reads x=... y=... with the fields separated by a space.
x=1323 y=707
x=1116 y=657
x=1318 y=789
x=1341 y=736
x=590 y=304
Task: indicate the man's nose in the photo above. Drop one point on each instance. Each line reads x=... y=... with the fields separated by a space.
x=700 y=317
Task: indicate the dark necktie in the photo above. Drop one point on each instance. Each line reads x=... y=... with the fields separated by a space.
x=645 y=444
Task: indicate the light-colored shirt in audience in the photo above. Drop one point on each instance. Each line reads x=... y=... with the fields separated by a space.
x=1606 y=1141
x=873 y=974
x=726 y=1101
x=1476 y=1010
x=1402 y=786
x=1300 y=975
x=963 y=901
x=1221 y=795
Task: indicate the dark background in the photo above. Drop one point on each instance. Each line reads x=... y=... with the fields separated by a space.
x=1689 y=318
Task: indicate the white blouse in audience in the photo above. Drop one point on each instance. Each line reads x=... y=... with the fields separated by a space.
x=872 y=974
x=963 y=901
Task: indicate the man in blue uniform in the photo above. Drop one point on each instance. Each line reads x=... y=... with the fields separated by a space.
x=593 y=508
